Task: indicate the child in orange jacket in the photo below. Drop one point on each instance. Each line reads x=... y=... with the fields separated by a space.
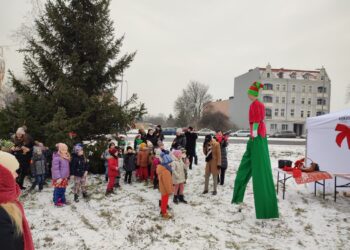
x=164 y=172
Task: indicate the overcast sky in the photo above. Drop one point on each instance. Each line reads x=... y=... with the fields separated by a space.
x=215 y=41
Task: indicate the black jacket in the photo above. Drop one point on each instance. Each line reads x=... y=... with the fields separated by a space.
x=152 y=138
x=130 y=162
x=9 y=239
x=179 y=142
x=191 y=139
x=78 y=165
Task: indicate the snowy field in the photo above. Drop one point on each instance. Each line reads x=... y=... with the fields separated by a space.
x=130 y=219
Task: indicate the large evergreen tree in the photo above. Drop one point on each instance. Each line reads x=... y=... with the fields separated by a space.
x=73 y=66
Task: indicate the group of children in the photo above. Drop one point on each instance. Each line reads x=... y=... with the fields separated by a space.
x=165 y=170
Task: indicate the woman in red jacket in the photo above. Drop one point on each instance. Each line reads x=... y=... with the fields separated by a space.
x=14 y=229
x=112 y=169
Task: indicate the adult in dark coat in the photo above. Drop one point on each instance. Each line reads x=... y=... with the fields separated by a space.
x=179 y=141
x=191 y=140
x=223 y=140
x=152 y=137
x=22 y=150
x=159 y=133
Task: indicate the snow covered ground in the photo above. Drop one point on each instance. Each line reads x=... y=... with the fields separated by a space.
x=130 y=219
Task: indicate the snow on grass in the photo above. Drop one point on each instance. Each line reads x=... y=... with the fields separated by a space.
x=130 y=219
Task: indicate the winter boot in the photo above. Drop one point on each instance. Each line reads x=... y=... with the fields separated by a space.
x=214 y=193
x=205 y=192
x=182 y=199
x=196 y=160
x=85 y=195
x=167 y=216
x=76 y=198
x=175 y=200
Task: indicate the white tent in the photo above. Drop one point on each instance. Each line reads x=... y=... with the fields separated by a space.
x=328 y=141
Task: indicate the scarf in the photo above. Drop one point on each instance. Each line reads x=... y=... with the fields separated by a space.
x=9 y=192
x=209 y=154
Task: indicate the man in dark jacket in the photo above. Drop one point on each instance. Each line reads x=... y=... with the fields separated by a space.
x=179 y=141
x=159 y=133
x=191 y=140
x=223 y=140
x=152 y=137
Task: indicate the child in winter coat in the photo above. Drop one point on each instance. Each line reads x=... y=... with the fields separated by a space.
x=179 y=176
x=112 y=169
x=129 y=164
x=60 y=174
x=155 y=162
x=164 y=171
x=105 y=156
x=38 y=168
x=79 y=168
x=143 y=161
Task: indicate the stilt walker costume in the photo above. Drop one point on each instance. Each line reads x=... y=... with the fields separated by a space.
x=256 y=163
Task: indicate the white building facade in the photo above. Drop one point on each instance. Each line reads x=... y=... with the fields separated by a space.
x=290 y=96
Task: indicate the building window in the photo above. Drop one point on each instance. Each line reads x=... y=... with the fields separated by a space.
x=310 y=89
x=293 y=100
x=308 y=113
x=268 y=75
x=273 y=126
x=268 y=86
x=302 y=113
x=306 y=76
x=277 y=87
x=303 y=89
x=277 y=99
x=280 y=74
x=283 y=99
x=321 y=90
x=321 y=101
x=293 y=88
x=267 y=99
x=283 y=87
x=309 y=101
x=268 y=113
x=322 y=77
x=284 y=127
x=293 y=75
x=318 y=113
x=282 y=112
x=302 y=100
x=292 y=112
x=276 y=112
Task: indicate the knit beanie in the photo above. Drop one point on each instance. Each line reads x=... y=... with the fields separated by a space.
x=179 y=130
x=20 y=131
x=254 y=88
x=177 y=153
x=9 y=161
x=77 y=148
x=112 y=151
x=143 y=145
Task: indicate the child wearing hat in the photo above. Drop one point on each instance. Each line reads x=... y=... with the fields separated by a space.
x=112 y=169
x=179 y=177
x=129 y=164
x=256 y=162
x=38 y=168
x=60 y=173
x=164 y=171
x=79 y=168
x=143 y=160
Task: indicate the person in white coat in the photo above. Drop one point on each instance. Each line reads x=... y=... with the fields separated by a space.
x=179 y=176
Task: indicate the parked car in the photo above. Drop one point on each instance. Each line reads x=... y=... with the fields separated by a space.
x=205 y=131
x=241 y=133
x=169 y=131
x=284 y=134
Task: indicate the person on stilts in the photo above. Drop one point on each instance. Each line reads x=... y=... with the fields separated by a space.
x=256 y=163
